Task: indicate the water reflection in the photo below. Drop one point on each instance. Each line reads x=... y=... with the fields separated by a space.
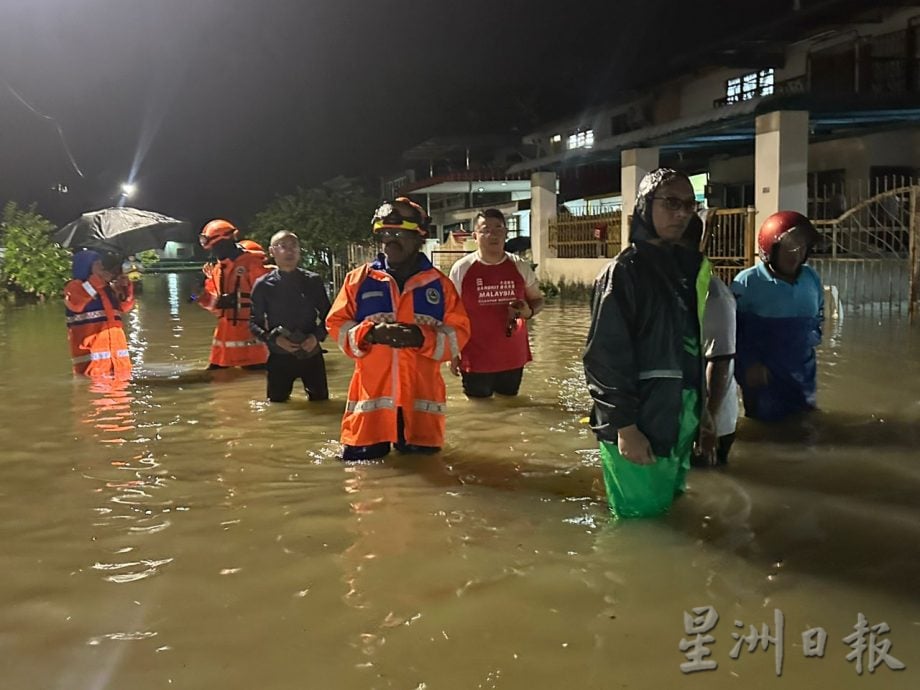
x=156 y=528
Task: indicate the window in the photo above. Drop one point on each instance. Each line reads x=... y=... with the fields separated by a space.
x=556 y=138
x=749 y=86
x=580 y=140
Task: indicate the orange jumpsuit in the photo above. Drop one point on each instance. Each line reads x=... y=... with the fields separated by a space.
x=233 y=344
x=386 y=378
x=97 y=339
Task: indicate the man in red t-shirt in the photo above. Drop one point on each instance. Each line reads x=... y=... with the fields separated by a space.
x=500 y=292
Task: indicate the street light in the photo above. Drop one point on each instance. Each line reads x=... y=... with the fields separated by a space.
x=128 y=189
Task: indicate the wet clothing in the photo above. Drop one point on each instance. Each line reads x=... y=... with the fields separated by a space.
x=388 y=379
x=293 y=304
x=285 y=369
x=375 y=451
x=477 y=385
x=646 y=490
x=719 y=344
x=779 y=326
x=93 y=310
x=228 y=293
x=487 y=290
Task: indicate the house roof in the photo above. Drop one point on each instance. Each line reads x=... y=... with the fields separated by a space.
x=733 y=125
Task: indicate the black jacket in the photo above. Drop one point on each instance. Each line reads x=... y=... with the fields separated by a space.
x=636 y=364
x=295 y=300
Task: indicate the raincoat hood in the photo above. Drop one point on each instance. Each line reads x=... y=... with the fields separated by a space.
x=641 y=229
x=83 y=263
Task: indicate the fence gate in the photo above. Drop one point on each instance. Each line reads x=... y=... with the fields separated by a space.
x=587 y=236
x=871 y=252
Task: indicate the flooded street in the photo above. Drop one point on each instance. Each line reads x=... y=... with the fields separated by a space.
x=178 y=532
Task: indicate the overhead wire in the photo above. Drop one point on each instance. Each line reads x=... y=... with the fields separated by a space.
x=48 y=118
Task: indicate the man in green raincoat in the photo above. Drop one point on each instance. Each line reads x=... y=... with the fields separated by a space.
x=643 y=360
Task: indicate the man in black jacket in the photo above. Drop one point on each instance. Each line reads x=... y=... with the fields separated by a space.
x=643 y=361
x=289 y=307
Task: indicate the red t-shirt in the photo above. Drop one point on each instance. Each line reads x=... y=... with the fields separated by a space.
x=486 y=291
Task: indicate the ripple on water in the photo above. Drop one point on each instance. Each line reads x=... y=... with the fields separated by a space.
x=148 y=568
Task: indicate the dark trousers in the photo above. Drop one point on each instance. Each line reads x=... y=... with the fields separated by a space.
x=375 y=451
x=283 y=370
x=477 y=385
x=723 y=447
x=247 y=367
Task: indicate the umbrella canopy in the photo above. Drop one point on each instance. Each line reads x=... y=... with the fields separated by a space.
x=122 y=230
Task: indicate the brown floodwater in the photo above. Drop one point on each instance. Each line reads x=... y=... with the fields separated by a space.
x=178 y=532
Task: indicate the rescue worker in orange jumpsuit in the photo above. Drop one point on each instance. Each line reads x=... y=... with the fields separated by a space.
x=228 y=294
x=94 y=301
x=399 y=318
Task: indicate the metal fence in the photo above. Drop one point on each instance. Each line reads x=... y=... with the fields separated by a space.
x=587 y=236
x=728 y=240
x=871 y=251
x=875 y=224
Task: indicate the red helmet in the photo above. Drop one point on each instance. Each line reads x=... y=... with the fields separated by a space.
x=251 y=246
x=217 y=231
x=778 y=225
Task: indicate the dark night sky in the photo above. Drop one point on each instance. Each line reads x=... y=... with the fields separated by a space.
x=225 y=103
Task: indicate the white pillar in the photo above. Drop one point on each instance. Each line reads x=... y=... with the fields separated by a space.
x=781 y=163
x=634 y=165
x=542 y=210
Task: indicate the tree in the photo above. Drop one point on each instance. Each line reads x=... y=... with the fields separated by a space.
x=327 y=220
x=32 y=264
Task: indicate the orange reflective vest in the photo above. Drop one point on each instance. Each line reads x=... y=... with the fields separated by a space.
x=388 y=378
x=233 y=344
x=97 y=339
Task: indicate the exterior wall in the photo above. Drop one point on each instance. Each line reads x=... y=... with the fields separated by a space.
x=694 y=94
x=466 y=215
x=571 y=271
x=739 y=170
x=899 y=148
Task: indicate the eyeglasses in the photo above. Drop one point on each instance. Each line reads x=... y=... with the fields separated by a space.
x=386 y=234
x=286 y=246
x=673 y=203
x=492 y=231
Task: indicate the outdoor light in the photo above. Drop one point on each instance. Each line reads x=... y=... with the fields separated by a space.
x=127 y=189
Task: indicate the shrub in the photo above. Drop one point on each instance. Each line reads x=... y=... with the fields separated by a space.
x=33 y=264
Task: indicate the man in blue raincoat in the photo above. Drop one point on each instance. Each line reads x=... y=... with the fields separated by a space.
x=780 y=311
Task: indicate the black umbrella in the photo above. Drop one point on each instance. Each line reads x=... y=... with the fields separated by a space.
x=122 y=230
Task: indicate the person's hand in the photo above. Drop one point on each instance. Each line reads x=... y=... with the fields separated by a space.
x=97 y=280
x=309 y=344
x=634 y=446
x=285 y=344
x=398 y=335
x=757 y=376
x=122 y=285
x=705 y=445
x=455 y=366
x=226 y=301
x=519 y=309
